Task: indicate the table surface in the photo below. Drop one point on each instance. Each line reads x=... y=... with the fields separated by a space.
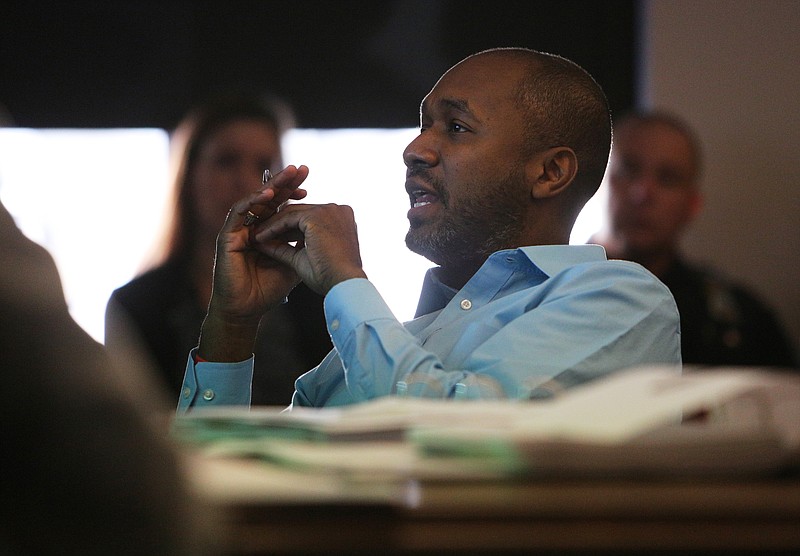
x=273 y=510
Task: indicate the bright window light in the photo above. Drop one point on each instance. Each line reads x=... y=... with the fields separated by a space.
x=591 y=218
x=96 y=199
x=93 y=198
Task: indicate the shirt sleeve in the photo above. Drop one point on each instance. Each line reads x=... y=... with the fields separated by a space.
x=207 y=384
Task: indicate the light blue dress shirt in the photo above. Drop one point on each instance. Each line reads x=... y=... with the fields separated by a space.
x=532 y=321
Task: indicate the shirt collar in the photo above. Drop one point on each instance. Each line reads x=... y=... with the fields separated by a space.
x=552 y=259
x=435 y=295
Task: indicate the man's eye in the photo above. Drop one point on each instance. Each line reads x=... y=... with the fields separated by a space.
x=670 y=179
x=457 y=127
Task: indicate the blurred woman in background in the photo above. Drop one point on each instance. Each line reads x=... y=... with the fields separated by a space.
x=219 y=153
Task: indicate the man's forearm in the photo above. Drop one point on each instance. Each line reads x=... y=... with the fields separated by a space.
x=225 y=342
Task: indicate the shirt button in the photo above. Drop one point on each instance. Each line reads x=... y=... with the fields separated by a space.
x=208 y=395
x=335 y=324
x=187 y=392
x=466 y=304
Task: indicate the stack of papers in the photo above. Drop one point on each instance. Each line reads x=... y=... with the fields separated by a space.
x=645 y=421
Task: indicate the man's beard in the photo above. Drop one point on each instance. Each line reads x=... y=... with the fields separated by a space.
x=474 y=227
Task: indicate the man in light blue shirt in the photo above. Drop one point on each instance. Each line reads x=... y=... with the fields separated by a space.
x=512 y=144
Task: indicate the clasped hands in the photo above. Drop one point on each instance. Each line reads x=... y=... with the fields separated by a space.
x=257 y=266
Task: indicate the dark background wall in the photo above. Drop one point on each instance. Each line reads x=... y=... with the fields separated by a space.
x=348 y=63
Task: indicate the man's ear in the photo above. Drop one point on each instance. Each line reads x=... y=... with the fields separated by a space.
x=551 y=171
x=696 y=204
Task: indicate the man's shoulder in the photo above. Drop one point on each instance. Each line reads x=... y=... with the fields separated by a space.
x=737 y=323
x=724 y=298
x=614 y=280
x=617 y=270
x=713 y=281
x=588 y=264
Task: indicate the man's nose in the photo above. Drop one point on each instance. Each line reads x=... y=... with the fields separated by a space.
x=421 y=151
x=641 y=189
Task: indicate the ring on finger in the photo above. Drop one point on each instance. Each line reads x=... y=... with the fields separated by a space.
x=250 y=218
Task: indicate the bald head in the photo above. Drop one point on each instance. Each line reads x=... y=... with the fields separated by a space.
x=653 y=192
x=565 y=107
x=670 y=122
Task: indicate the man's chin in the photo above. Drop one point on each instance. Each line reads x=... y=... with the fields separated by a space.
x=421 y=248
x=640 y=246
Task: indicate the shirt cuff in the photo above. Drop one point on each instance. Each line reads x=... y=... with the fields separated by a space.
x=208 y=384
